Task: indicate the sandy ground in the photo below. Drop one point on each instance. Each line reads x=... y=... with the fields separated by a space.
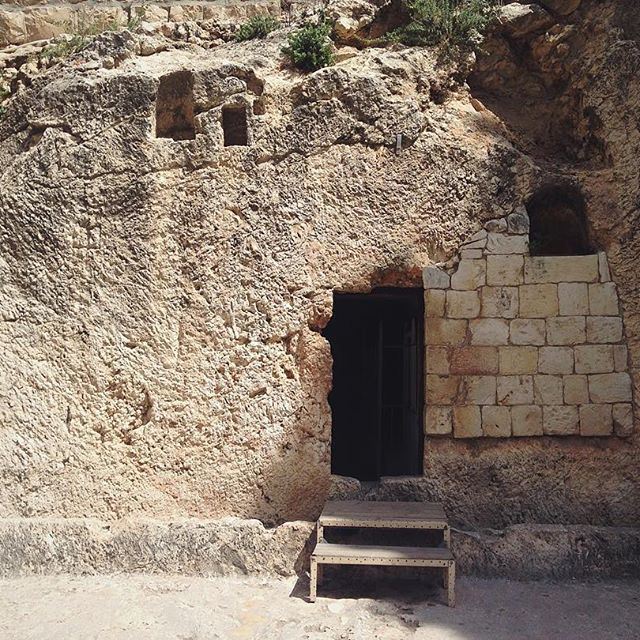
x=187 y=608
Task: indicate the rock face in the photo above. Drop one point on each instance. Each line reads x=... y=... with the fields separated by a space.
x=162 y=300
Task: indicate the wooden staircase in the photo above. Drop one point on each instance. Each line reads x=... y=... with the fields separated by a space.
x=383 y=515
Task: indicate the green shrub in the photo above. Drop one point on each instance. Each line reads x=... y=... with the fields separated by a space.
x=256 y=27
x=457 y=23
x=309 y=47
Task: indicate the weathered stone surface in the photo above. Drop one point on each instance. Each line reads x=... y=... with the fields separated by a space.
x=515 y=390
x=566 y=330
x=498 y=225
x=623 y=419
x=463 y=304
x=561 y=7
x=478 y=390
x=539 y=270
x=470 y=274
x=499 y=302
x=442 y=389
x=474 y=360
x=620 y=357
x=603 y=299
x=434 y=303
x=526 y=420
x=489 y=331
x=518 y=20
x=435 y=278
x=518 y=360
x=496 y=421
x=497 y=243
x=555 y=360
x=437 y=360
x=603 y=265
x=467 y=422
x=576 y=389
x=471 y=254
x=527 y=331
x=518 y=221
x=438 y=421
x=505 y=270
x=344 y=488
x=610 y=387
x=538 y=300
x=596 y=420
x=594 y=359
x=445 y=331
x=560 y=421
x=547 y=390
x=604 y=329
x=573 y=298
x=12 y=27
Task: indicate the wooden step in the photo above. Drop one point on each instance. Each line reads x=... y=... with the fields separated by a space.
x=326 y=553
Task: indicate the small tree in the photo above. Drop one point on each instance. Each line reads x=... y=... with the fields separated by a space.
x=256 y=27
x=310 y=46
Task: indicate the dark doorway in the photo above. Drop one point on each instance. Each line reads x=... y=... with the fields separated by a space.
x=376 y=399
x=234 y=125
x=174 y=107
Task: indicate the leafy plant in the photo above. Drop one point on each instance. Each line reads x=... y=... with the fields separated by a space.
x=256 y=27
x=458 y=23
x=309 y=47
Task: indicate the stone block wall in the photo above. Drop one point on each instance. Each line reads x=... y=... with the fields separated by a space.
x=524 y=346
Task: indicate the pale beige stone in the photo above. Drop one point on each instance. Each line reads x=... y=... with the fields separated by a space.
x=560 y=421
x=603 y=264
x=471 y=254
x=442 y=389
x=527 y=331
x=515 y=390
x=463 y=304
x=518 y=360
x=46 y=22
x=567 y=330
x=603 y=299
x=604 y=329
x=538 y=270
x=505 y=270
x=438 y=421
x=573 y=298
x=489 y=331
x=596 y=420
x=620 y=357
x=445 y=331
x=479 y=390
x=610 y=387
x=526 y=420
x=498 y=243
x=183 y=12
x=576 y=390
x=435 y=278
x=467 y=422
x=538 y=300
x=596 y=358
x=499 y=302
x=434 y=302
x=555 y=360
x=12 y=28
x=496 y=422
x=547 y=390
x=437 y=360
x=470 y=275
x=474 y=361
x=623 y=419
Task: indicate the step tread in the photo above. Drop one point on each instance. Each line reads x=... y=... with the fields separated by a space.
x=330 y=550
x=370 y=513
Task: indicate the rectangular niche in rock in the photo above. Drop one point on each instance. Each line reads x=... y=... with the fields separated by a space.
x=234 y=125
x=174 y=107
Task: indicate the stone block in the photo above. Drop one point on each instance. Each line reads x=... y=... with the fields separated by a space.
x=489 y=331
x=518 y=360
x=498 y=243
x=623 y=420
x=438 y=421
x=539 y=270
x=596 y=420
x=463 y=304
x=445 y=331
x=471 y=274
x=525 y=331
x=603 y=265
x=567 y=330
x=560 y=421
x=620 y=357
x=576 y=389
x=610 y=387
x=185 y=12
x=474 y=361
x=434 y=302
x=604 y=329
x=515 y=390
x=547 y=390
x=442 y=389
x=479 y=390
x=471 y=254
x=538 y=300
x=555 y=360
x=467 y=422
x=477 y=241
x=526 y=420
x=594 y=358
x=518 y=221
x=437 y=360
x=497 y=225
x=505 y=270
x=603 y=299
x=573 y=298
x=499 y=302
x=12 y=27
x=42 y=23
x=496 y=422
x=434 y=278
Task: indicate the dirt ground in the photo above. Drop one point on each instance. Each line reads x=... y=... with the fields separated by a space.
x=187 y=608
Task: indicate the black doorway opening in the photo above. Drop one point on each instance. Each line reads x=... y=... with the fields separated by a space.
x=377 y=394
